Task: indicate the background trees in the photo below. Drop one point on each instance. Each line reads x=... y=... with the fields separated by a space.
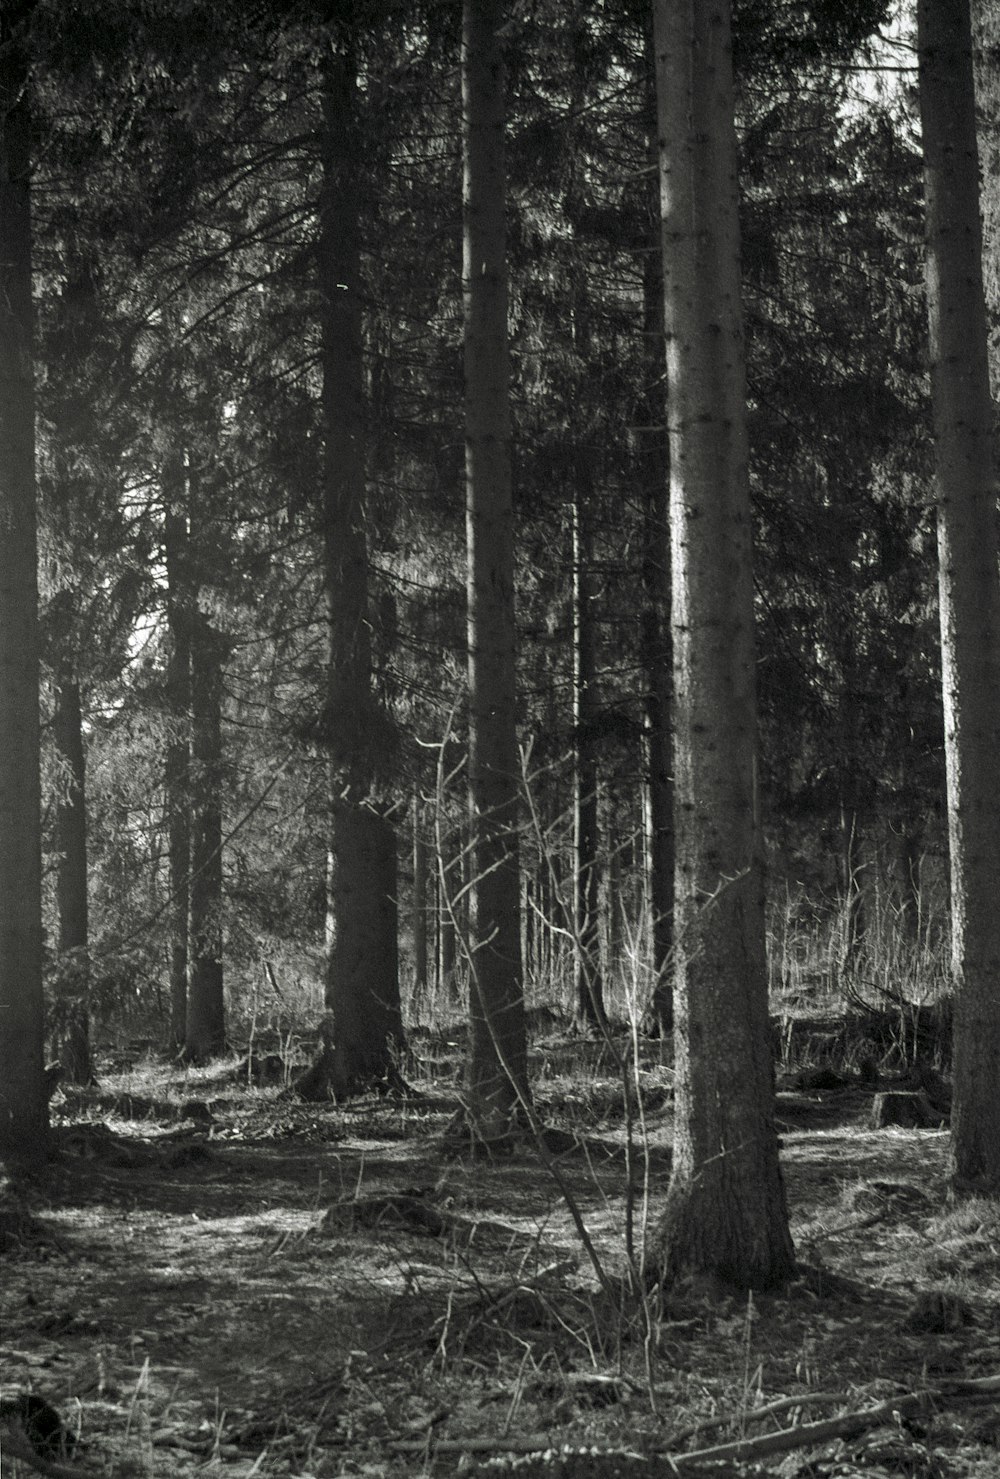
x=250 y=318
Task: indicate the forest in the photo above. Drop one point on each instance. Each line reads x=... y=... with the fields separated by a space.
x=499 y=722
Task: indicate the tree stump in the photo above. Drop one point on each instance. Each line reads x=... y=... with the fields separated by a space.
x=908 y=1110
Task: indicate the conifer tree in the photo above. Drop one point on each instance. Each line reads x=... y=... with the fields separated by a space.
x=725 y=1211
x=23 y=1102
x=969 y=587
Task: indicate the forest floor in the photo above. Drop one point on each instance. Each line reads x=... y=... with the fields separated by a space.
x=309 y=1290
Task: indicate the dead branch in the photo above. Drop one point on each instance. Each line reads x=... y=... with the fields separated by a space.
x=755 y=1414
x=804 y=1435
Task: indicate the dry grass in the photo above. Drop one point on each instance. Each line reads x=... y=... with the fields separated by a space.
x=199 y=1315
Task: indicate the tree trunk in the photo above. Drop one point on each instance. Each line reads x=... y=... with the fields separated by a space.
x=446 y=926
x=71 y=875
x=420 y=911
x=177 y=766
x=851 y=868
x=23 y=1100
x=725 y=1212
x=586 y=880
x=656 y=660
x=362 y=982
x=969 y=588
x=205 y=1033
x=498 y=1083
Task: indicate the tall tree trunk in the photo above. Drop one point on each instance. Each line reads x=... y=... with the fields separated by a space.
x=177 y=766
x=656 y=660
x=654 y=637
x=71 y=873
x=23 y=1101
x=725 y=1211
x=362 y=983
x=969 y=588
x=420 y=910
x=586 y=881
x=205 y=1033
x=497 y=1081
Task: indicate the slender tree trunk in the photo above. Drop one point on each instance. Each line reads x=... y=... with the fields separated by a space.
x=852 y=887
x=362 y=985
x=498 y=1046
x=205 y=1033
x=656 y=661
x=420 y=910
x=71 y=873
x=23 y=1100
x=654 y=637
x=177 y=766
x=613 y=907
x=586 y=881
x=969 y=588
x=446 y=925
x=725 y=1211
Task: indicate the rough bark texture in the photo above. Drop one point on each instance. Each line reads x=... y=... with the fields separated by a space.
x=986 y=48
x=654 y=462
x=969 y=588
x=420 y=909
x=498 y=1048
x=362 y=983
x=725 y=1212
x=71 y=872
x=177 y=766
x=589 y=981
x=205 y=1033
x=23 y=1100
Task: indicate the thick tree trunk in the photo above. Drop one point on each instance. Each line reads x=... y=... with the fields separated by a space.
x=177 y=766
x=23 y=1100
x=498 y=1082
x=969 y=588
x=205 y=1033
x=586 y=883
x=362 y=982
x=71 y=875
x=725 y=1211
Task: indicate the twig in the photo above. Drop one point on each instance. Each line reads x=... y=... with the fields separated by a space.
x=805 y=1399
x=804 y=1435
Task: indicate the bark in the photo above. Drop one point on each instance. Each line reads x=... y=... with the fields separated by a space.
x=177 y=766
x=851 y=869
x=23 y=1098
x=205 y=1033
x=362 y=982
x=656 y=657
x=969 y=588
x=725 y=1212
x=420 y=911
x=497 y=1080
x=447 y=943
x=71 y=874
x=586 y=883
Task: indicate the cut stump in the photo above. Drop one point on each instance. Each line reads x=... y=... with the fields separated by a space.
x=908 y=1110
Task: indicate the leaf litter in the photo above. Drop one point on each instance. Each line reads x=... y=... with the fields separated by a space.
x=321 y=1291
